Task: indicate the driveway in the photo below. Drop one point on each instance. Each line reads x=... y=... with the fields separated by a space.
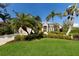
x=6 y=38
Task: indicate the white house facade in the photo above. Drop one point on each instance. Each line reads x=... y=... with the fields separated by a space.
x=47 y=27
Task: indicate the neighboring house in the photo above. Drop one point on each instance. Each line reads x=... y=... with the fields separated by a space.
x=48 y=27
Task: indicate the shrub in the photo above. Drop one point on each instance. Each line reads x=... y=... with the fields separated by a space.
x=28 y=37
x=45 y=36
x=57 y=32
x=8 y=30
x=74 y=31
x=5 y=30
x=76 y=37
x=34 y=36
x=40 y=35
x=31 y=37
x=20 y=37
x=51 y=35
x=1 y=31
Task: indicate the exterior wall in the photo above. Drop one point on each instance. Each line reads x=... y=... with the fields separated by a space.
x=47 y=27
x=51 y=28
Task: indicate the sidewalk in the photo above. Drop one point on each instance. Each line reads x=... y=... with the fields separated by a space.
x=5 y=40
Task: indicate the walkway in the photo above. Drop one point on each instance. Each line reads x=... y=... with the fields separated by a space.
x=6 y=38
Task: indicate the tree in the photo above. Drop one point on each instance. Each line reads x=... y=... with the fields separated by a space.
x=38 y=24
x=3 y=5
x=27 y=20
x=4 y=15
x=71 y=12
x=23 y=21
x=52 y=15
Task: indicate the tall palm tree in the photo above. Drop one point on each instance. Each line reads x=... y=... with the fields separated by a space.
x=52 y=15
x=71 y=12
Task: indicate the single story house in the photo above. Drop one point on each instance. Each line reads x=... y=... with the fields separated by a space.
x=48 y=26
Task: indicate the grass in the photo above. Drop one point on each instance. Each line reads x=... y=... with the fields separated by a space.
x=43 y=47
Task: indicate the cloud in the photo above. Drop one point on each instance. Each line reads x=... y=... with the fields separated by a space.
x=76 y=25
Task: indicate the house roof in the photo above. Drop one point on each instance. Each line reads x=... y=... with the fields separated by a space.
x=50 y=23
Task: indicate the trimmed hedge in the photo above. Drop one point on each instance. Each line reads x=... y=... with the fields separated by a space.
x=41 y=35
x=75 y=31
x=56 y=32
x=51 y=35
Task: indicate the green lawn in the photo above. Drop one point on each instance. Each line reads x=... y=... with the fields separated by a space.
x=43 y=47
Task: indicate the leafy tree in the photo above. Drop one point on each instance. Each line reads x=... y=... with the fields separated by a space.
x=71 y=12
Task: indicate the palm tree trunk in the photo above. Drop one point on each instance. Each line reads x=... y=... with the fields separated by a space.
x=69 y=30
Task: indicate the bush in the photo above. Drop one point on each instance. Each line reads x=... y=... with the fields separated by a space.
x=34 y=36
x=76 y=37
x=8 y=30
x=51 y=35
x=28 y=37
x=20 y=37
x=2 y=31
x=40 y=35
x=5 y=30
x=74 y=31
x=57 y=32
x=31 y=37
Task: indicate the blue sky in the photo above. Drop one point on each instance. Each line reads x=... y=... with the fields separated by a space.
x=40 y=9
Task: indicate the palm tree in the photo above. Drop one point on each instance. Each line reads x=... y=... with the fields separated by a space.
x=27 y=20
x=24 y=21
x=3 y=5
x=52 y=15
x=70 y=12
x=38 y=24
x=4 y=15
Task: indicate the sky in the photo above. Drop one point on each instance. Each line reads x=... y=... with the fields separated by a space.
x=40 y=9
